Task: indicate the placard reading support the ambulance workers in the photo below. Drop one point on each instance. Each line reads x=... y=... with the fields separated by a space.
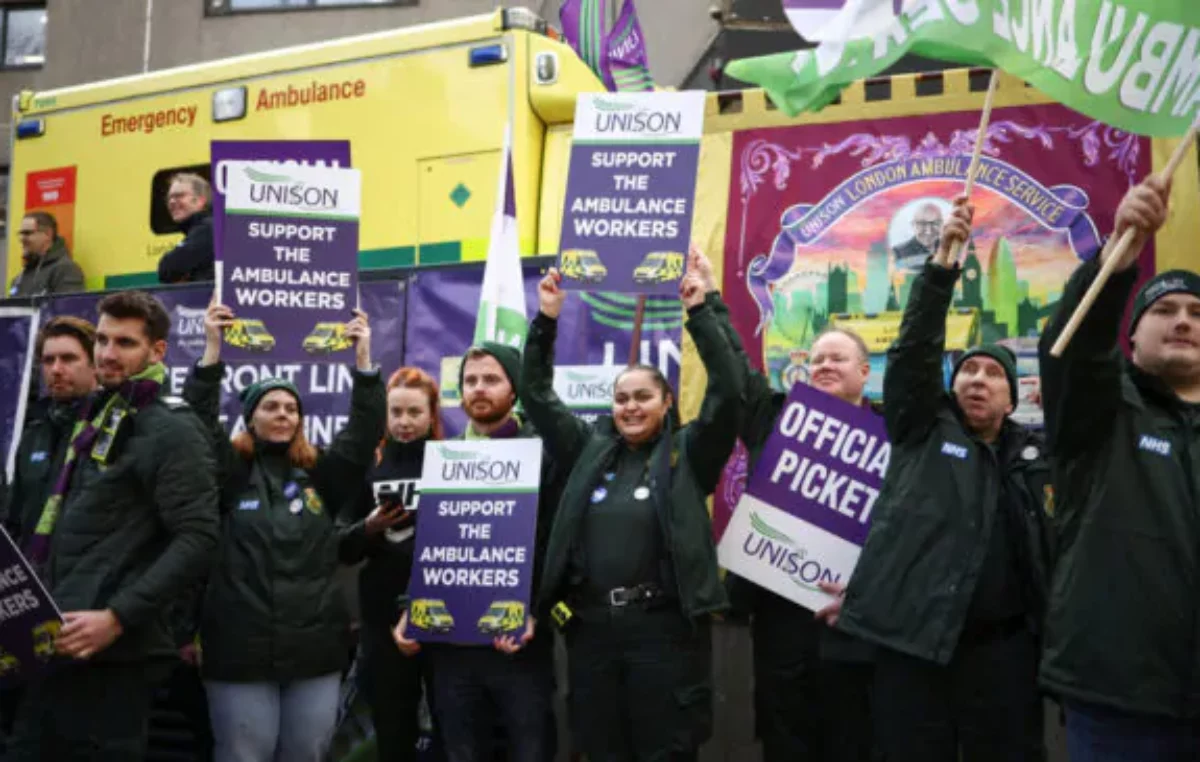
x=289 y=267
x=29 y=620
x=807 y=507
x=473 y=560
x=627 y=221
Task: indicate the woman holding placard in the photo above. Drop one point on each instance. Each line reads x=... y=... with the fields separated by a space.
x=383 y=534
x=631 y=570
x=274 y=629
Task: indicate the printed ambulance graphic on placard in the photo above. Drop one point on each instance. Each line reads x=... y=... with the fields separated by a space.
x=583 y=265
x=659 y=267
x=501 y=617
x=327 y=338
x=431 y=615
x=249 y=334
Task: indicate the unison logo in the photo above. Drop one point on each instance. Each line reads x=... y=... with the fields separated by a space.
x=774 y=547
x=266 y=188
x=459 y=466
x=588 y=387
x=616 y=116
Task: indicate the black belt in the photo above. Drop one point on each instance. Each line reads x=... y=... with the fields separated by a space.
x=619 y=597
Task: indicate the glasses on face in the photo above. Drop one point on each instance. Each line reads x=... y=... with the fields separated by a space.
x=179 y=195
x=27 y=233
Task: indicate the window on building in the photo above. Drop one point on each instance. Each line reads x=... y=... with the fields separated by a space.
x=24 y=36
x=160 y=218
x=219 y=7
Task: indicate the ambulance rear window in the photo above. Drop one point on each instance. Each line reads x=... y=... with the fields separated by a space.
x=160 y=219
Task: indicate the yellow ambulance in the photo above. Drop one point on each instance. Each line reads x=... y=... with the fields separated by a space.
x=424 y=109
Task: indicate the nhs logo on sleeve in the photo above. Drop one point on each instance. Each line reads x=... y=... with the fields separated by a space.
x=954 y=451
x=38 y=457
x=248 y=505
x=1154 y=445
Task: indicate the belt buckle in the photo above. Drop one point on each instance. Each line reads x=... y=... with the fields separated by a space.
x=612 y=597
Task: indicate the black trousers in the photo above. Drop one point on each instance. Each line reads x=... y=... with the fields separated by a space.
x=808 y=708
x=983 y=706
x=640 y=684
x=92 y=712
x=391 y=683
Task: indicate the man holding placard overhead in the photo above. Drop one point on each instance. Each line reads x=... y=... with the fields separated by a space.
x=949 y=582
x=1121 y=645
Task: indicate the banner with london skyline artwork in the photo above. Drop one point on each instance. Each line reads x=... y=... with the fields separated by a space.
x=830 y=223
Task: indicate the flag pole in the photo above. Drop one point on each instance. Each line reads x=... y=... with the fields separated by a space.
x=984 y=119
x=639 y=316
x=1117 y=253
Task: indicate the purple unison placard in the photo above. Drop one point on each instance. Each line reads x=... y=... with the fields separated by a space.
x=627 y=219
x=290 y=263
x=806 y=511
x=473 y=560
x=320 y=153
x=29 y=620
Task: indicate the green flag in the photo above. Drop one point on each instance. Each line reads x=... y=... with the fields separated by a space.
x=1134 y=64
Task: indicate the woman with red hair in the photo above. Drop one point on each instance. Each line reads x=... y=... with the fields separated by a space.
x=382 y=535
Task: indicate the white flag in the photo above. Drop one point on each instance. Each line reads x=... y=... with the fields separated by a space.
x=502 y=301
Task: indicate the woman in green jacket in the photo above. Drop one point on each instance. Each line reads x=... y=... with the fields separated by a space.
x=274 y=628
x=631 y=570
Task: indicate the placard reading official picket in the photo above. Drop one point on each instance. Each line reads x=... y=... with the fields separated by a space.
x=29 y=620
x=628 y=215
x=807 y=507
x=290 y=260
x=475 y=533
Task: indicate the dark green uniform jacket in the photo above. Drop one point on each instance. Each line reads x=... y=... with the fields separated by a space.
x=273 y=611
x=938 y=508
x=39 y=460
x=1124 y=615
x=137 y=533
x=52 y=273
x=685 y=466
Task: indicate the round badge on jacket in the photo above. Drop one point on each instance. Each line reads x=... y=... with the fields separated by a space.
x=641 y=493
x=1029 y=453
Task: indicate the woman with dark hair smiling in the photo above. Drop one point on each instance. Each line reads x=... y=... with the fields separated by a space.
x=631 y=570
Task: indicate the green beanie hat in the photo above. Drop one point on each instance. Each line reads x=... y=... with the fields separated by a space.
x=1170 y=282
x=253 y=394
x=1000 y=354
x=508 y=357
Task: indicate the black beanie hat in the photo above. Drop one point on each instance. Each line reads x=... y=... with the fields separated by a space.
x=1170 y=282
x=1000 y=354
x=253 y=394
x=508 y=357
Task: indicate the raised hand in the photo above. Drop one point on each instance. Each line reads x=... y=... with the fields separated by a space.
x=1144 y=209
x=217 y=318
x=550 y=294
x=358 y=330
x=698 y=263
x=955 y=232
x=691 y=290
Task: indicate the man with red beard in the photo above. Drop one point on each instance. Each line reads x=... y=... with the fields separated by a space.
x=511 y=685
x=951 y=581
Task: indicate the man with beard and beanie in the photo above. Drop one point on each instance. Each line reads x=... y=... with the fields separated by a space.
x=1121 y=650
x=130 y=524
x=64 y=351
x=476 y=688
x=950 y=581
